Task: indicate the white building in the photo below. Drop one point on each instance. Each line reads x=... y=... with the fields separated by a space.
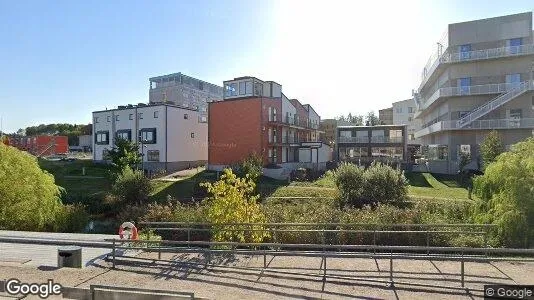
x=403 y=114
x=170 y=137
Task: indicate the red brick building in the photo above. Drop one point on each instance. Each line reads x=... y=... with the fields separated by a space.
x=256 y=117
x=41 y=145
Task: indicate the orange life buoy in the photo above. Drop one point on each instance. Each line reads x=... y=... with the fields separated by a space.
x=129 y=231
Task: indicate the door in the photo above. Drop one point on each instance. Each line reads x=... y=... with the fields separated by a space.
x=465 y=51
x=464 y=85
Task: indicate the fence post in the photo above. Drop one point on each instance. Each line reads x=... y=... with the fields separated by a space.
x=391 y=268
x=427 y=243
x=324 y=270
x=462 y=269
x=264 y=259
x=159 y=250
x=113 y=253
x=188 y=237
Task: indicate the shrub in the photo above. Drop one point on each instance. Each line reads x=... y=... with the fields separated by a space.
x=384 y=184
x=231 y=201
x=350 y=182
x=299 y=174
x=252 y=165
x=71 y=218
x=130 y=213
x=507 y=195
x=491 y=147
x=132 y=186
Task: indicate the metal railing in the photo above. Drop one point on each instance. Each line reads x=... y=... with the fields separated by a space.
x=482 y=110
x=386 y=139
x=455 y=57
x=477 y=124
x=353 y=139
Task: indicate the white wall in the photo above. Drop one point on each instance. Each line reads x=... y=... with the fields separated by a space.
x=287 y=108
x=147 y=121
x=100 y=123
x=324 y=153
x=181 y=146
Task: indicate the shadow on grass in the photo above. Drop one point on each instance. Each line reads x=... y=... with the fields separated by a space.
x=417 y=179
x=448 y=180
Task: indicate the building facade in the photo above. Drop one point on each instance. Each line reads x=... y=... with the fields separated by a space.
x=184 y=91
x=170 y=137
x=479 y=79
x=403 y=114
x=40 y=145
x=365 y=144
x=256 y=117
x=385 y=116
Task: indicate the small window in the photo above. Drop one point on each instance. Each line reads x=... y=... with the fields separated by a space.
x=102 y=137
x=399 y=110
x=410 y=109
x=147 y=135
x=125 y=134
x=248 y=87
x=140 y=115
x=242 y=88
x=109 y=118
x=156 y=114
x=192 y=135
x=186 y=116
x=152 y=155
x=202 y=119
x=130 y=117
x=96 y=118
x=117 y=118
x=410 y=119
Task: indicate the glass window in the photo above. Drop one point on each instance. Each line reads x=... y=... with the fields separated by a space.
x=117 y=118
x=410 y=109
x=109 y=118
x=148 y=135
x=96 y=118
x=258 y=89
x=125 y=134
x=130 y=117
x=399 y=110
x=105 y=154
x=515 y=45
x=156 y=114
x=248 y=87
x=152 y=155
x=102 y=137
x=192 y=135
x=186 y=116
x=465 y=51
x=140 y=115
x=242 y=88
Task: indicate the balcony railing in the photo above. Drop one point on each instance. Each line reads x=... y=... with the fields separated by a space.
x=386 y=139
x=353 y=139
x=477 y=124
x=454 y=57
x=366 y=140
x=485 y=89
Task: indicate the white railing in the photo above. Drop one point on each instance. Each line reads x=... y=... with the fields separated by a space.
x=386 y=139
x=485 y=89
x=495 y=103
x=477 y=124
x=454 y=57
x=353 y=139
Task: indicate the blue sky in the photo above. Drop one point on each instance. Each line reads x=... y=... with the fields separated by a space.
x=61 y=60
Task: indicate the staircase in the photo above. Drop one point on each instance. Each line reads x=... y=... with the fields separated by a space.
x=500 y=100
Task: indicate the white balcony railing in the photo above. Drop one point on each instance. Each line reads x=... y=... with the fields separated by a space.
x=485 y=89
x=366 y=140
x=386 y=139
x=478 y=124
x=455 y=57
x=353 y=139
x=515 y=91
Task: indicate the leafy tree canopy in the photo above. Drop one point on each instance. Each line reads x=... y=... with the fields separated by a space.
x=124 y=154
x=491 y=147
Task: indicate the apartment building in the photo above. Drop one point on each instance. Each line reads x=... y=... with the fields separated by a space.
x=403 y=113
x=256 y=117
x=478 y=80
x=385 y=116
x=365 y=144
x=170 y=137
x=183 y=90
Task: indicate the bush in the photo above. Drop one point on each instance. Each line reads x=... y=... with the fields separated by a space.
x=130 y=213
x=252 y=165
x=29 y=197
x=350 y=182
x=299 y=174
x=71 y=218
x=384 y=184
x=231 y=201
x=132 y=186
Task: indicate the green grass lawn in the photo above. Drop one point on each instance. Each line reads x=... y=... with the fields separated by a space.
x=426 y=185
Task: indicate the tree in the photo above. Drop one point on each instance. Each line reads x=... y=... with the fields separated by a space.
x=371 y=119
x=29 y=197
x=349 y=180
x=491 y=147
x=231 y=200
x=506 y=191
x=251 y=165
x=124 y=154
x=354 y=119
x=132 y=186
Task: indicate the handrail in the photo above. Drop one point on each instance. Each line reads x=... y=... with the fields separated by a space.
x=320 y=224
x=477 y=124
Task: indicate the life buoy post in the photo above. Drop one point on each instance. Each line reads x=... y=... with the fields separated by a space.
x=128 y=231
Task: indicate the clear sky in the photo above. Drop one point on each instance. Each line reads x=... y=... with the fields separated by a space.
x=60 y=60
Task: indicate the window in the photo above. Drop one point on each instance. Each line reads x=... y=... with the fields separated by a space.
x=96 y=118
x=202 y=119
x=109 y=118
x=515 y=45
x=513 y=80
x=248 y=87
x=464 y=84
x=242 y=88
x=102 y=137
x=152 y=155
x=192 y=135
x=117 y=118
x=140 y=115
x=130 y=117
x=147 y=135
x=186 y=116
x=274 y=115
x=410 y=119
x=399 y=110
x=465 y=51
x=105 y=154
x=410 y=109
x=125 y=134
x=156 y=114
x=258 y=89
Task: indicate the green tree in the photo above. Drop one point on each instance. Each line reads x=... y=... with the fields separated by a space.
x=506 y=191
x=371 y=119
x=491 y=147
x=349 y=180
x=124 y=154
x=231 y=200
x=251 y=165
x=29 y=198
x=132 y=186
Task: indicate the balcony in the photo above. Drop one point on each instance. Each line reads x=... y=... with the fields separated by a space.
x=353 y=139
x=485 y=89
x=476 y=125
x=386 y=139
x=458 y=57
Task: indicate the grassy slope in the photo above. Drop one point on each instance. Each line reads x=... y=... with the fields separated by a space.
x=426 y=185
